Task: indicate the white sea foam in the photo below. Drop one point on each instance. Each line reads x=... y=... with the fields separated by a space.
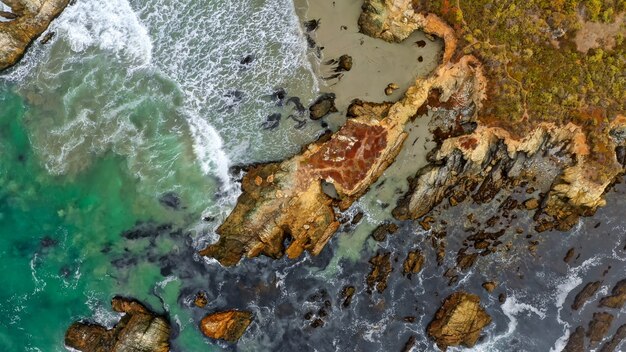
x=110 y=25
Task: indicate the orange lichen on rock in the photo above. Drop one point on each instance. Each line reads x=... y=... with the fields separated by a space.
x=228 y=325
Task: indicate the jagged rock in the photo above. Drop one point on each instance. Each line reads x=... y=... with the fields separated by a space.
x=229 y=325
x=587 y=292
x=598 y=327
x=139 y=330
x=615 y=341
x=502 y=298
x=323 y=106
x=381 y=268
x=344 y=64
x=531 y=204
x=617 y=297
x=381 y=232
x=413 y=262
x=489 y=286
x=31 y=19
x=347 y=293
x=201 y=300
x=459 y=321
x=576 y=341
x=292 y=213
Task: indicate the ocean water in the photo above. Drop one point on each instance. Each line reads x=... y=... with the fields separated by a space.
x=134 y=100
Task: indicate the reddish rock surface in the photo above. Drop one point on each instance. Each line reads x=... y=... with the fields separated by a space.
x=228 y=325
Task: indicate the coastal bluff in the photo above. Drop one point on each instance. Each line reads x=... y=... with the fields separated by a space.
x=26 y=21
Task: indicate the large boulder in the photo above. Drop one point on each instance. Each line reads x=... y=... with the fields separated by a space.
x=29 y=19
x=228 y=325
x=459 y=321
x=139 y=330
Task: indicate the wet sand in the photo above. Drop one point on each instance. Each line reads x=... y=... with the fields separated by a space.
x=376 y=63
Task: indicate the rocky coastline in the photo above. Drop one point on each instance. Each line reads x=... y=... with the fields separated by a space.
x=26 y=21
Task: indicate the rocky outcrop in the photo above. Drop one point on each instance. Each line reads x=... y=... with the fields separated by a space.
x=31 y=19
x=379 y=273
x=587 y=292
x=139 y=330
x=413 y=263
x=459 y=321
x=617 y=297
x=228 y=325
x=576 y=341
x=615 y=341
x=598 y=327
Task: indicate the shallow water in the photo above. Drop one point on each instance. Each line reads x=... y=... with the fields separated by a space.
x=134 y=100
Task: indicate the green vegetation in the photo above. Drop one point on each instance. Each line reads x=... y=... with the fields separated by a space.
x=532 y=60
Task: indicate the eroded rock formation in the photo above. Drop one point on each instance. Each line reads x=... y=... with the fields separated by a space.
x=459 y=321
x=139 y=330
x=228 y=325
x=31 y=19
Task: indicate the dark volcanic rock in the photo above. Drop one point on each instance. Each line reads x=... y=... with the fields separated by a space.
x=311 y=25
x=381 y=268
x=139 y=330
x=229 y=325
x=576 y=341
x=587 y=292
x=247 y=60
x=459 y=321
x=612 y=345
x=380 y=233
x=617 y=297
x=569 y=255
x=323 y=106
x=598 y=327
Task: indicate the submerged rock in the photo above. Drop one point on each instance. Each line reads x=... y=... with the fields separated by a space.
x=170 y=200
x=139 y=330
x=459 y=321
x=323 y=106
x=30 y=18
x=229 y=325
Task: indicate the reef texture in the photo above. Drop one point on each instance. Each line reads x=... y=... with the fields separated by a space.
x=29 y=19
x=139 y=330
x=459 y=321
x=228 y=325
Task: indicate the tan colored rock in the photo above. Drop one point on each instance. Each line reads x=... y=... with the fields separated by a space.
x=576 y=341
x=379 y=273
x=598 y=327
x=587 y=292
x=459 y=321
x=413 y=262
x=489 y=286
x=31 y=19
x=201 y=300
x=228 y=325
x=139 y=330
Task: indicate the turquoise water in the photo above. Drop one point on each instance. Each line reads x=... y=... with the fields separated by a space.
x=131 y=101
